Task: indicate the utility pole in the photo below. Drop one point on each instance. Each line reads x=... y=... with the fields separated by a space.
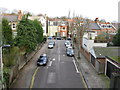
x=73 y=29
x=80 y=33
x=1 y=63
x=78 y=27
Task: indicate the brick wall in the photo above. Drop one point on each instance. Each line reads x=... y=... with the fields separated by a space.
x=85 y=53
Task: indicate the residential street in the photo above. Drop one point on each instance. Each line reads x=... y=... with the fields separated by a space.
x=60 y=72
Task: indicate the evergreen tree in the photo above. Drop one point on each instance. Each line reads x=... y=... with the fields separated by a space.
x=116 y=39
x=39 y=29
x=6 y=32
x=26 y=35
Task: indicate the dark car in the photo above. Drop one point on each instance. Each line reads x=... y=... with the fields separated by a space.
x=58 y=38
x=42 y=60
x=68 y=38
x=70 y=52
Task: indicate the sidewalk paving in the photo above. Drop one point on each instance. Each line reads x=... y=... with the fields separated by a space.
x=91 y=77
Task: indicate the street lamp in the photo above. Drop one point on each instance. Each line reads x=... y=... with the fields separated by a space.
x=78 y=27
x=1 y=63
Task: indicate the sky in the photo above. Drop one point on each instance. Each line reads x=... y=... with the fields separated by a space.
x=103 y=9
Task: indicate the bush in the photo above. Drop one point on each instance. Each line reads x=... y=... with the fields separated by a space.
x=6 y=77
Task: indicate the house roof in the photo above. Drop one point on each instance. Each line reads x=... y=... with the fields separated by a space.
x=116 y=25
x=107 y=51
x=94 y=26
x=11 y=18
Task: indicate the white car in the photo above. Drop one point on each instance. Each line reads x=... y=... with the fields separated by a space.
x=50 y=45
x=68 y=45
x=66 y=42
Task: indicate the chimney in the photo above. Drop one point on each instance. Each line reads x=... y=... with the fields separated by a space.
x=20 y=15
x=96 y=20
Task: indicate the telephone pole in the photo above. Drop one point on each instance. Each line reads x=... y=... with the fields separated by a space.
x=1 y=63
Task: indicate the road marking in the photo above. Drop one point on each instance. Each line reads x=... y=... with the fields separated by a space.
x=75 y=66
x=51 y=78
x=53 y=59
x=50 y=64
x=63 y=55
x=79 y=73
x=33 y=78
x=59 y=58
x=83 y=80
x=59 y=53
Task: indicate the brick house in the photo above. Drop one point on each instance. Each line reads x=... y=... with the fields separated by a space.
x=104 y=27
x=57 y=27
x=62 y=30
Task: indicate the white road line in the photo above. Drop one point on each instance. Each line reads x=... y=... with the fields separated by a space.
x=75 y=66
x=59 y=58
x=50 y=64
x=53 y=59
x=59 y=53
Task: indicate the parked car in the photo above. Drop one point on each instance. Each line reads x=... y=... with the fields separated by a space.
x=68 y=38
x=50 y=37
x=70 y=52
x=50 y=45
x=52 y=42
x=66 y=42
x=42 y=60
x=68 y=45
x=58 y=38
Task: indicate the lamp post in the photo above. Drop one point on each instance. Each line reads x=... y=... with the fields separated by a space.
x=1 y=63
x=78 y=27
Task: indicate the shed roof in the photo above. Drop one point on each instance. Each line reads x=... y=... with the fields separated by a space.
x=107 y=51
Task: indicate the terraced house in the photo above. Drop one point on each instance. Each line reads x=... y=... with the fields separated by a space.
x=58 y=27
x=13 y=20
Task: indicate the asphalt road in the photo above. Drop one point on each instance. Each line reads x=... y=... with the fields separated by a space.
x=60 y=72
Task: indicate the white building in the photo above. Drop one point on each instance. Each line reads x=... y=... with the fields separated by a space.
x=43 y=20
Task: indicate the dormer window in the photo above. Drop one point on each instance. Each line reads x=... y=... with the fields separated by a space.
x=109 y=26
x=103 y=26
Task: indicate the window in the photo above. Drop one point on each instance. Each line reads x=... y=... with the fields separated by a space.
x=55 y=23
x=14 y=26
x=109 y=26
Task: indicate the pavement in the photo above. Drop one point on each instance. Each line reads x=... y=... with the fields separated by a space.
x=91 y=77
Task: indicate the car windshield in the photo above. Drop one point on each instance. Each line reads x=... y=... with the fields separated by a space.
x=42 y=58
x=50 y=43
x=70 y=50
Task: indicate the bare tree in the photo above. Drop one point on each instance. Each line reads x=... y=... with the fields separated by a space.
x=82 y=25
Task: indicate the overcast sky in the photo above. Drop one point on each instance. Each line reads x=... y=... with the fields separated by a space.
x=103 y=9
